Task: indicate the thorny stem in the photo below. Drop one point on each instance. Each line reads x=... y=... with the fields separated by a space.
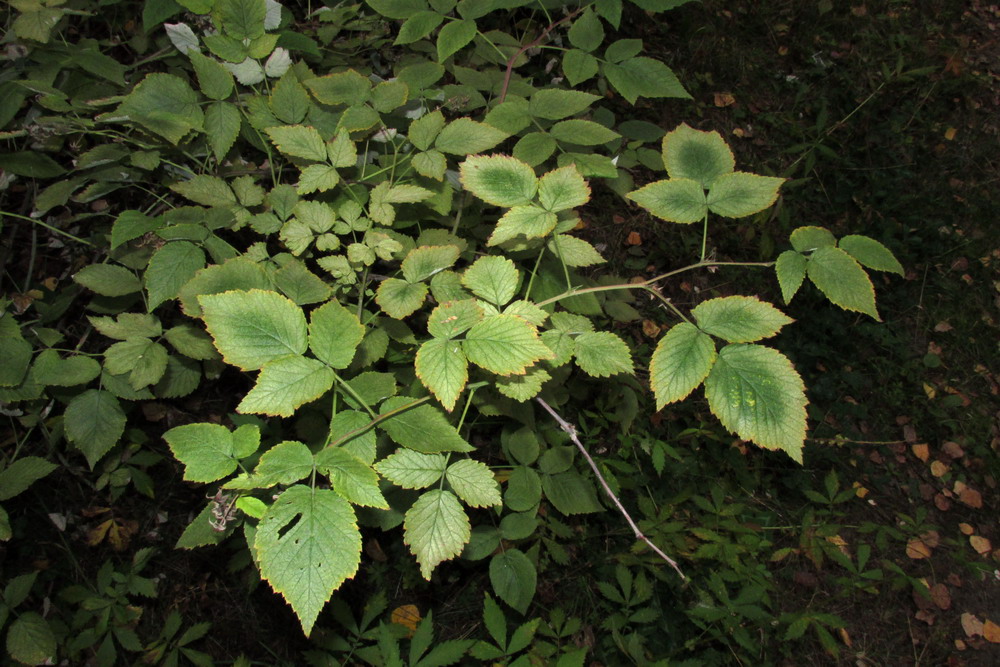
x=571 y=430
x=530 y=45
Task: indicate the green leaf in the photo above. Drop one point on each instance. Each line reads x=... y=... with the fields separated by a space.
x=473 y=482
x=307 y=545
x=169 y=269
x=623 y=49
x=601 y=354
x=464 y=136
x=235 y=274
x=511 y=116
x=30 y=639
x=22 y=473
x=453 y=318
x=348 y=88
x=523 y=387
x=289 y=100
x=562 y=189
x=492 y=278
x=791 y=270
x=682 y=360
x=582 y=132
x=505 y=345
x=300 y=284
x=397 y=9
x=15 y=353
x=389 y=96
x=143 y=360
x=252 y=328
x=436 y=529
x=514 y=578
x=425 y=129
x=30 y=164
x=699 y=156
x=573 y=251
x=644 y=77
x=298 y=141
x=334 y=334
x=128 y=325
x=180 y=377
x=412 y=470
x=399 y=298
x=417 y=27
x=739 y=319
x=499 y=180
x=431 y=164
x=423 y=428
x=586 y=33
x=676 y=200
x=222 y=126
x=352 y=425
x=442 y=367
x=342 y=151
x=426 y=261
x=36 y=23
x=208 y=451
x=351 y=477
x=534 y=148
x=756 y=393
x=740 y=194
x=285 y=384
x=108 y=279
x=241 y=19
x=869 y=252
x=94 y=421
x=214 y=80
x=578 y=66
x=165 y=105
x=556 y=104
x=807 y=239
x=206 y=190
x=131 y=225
x=384 y=195
x=285 y=463
x=570 y=493
x=453 y=37
x=528 y=221
x=842 y=280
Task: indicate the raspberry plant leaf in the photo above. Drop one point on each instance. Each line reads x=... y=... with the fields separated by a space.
x=436 y=528
x=442 y=367
x=285 y=463
x=556 y=104
x=334 y=334
x=285 y=384
x=504 y=344
x=94 y=420
x=513 y=578
x=602 y=354
x=791 y=270
x=523 y=387
x=699 y=156
x=298 y=141
x=493 y=279
x=169 y=269
x=740 y=194
x=807 y=239
x=424 y=262
x=350 y=477
x=412 y=470
x=208 y=451
x=108 y=280
x=842 y=280
x=473 y=482
x=454 y=318
x=254 y=327
x=465 y=136
x=757 y=394
x=869 y=252
x=528 y=221
x=679 y=200
x=562 y=189
x=681 y=362
x=573 y=251
x=307 y=545
x=739 y=319
x=499 y=180
x=399 y=298
x=423 y=428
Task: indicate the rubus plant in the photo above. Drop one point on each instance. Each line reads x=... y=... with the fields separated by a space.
x=393 y=249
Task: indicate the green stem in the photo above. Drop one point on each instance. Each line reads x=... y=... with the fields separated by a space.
x=47 y=226
x=534 y=272
x=704 y=237
x=350 y=390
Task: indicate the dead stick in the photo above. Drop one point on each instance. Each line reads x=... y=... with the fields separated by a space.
x=571 y=430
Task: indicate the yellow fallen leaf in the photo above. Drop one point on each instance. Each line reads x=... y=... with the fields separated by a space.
x=930 y=391
x=921 y=451
x=980 y=544
x=916 y=549
x=991 y=631
x=950 y=133
x=846 y=638
x=407 y=615
x=938 y=468
x=966 y=529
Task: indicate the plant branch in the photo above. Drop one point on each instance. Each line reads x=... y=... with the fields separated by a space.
x=530 y=45
x=571 y=430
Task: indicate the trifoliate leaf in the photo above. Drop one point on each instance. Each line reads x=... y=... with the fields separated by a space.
x=696 y=155
x=412 y=470
x=141 y=358
x=351 y=477
x=499 y=180
x=285 y=384
x=530 y=222
x=739 y=319
x=474 y=483
x=869 y=252
x=252 y=328
x=676 y=200
x=740 y=194
x=842 y=280
x=423 y=428
x=493 y=279
x=436 y=529
x=791 y=270
x=442 y=367
x=602 y=353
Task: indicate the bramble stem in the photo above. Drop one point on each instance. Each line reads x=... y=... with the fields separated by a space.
x=571 y=430
x=530 y=45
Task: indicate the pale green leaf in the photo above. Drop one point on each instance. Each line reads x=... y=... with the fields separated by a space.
x=350 y=429
x=453 y=37
x=442 y=367
x=447 y=286
x=285 y=463
x=164 y=104
x=241 y=19
x=574 y=251
x=389 y=96
x=493 y=279
x=94 y=421
x=285 y=384
x=334 y=334
x=453 y=318
x=556 y=104
x=504 y=344
x=412 y=470
x=842 y=280
x=523 y=387
x=399 y=298
x=169 y=269
x=644 y=77
x=682 y=360
x=342 y=151
x=511 y=115
x=739 y=319
x=289 y=100
x=528 y=221
x=142 y=359
x=699 y=156
x=676 y=200
x=300 y=284
x=465 y=136
x=562 y=189
x=307 y=545
x=206 y=190
x=757 y=394
x=298 y=141
x=582 y=132
x=431 y=164
x=351 y=477
x=108 y=279
x=740 y=194
x=238 y=273
x=208 y=451
x=423 y=428
x=425 y=129
x=528 y=311
x=791 y=270
x=578 y=66
x=423 y=262
x=499 y=180
x=602 y=353
x=869 y=252
x=473 y=482
x=436 y=529
x=350 y=88
x=252 y=328
x=807 y=239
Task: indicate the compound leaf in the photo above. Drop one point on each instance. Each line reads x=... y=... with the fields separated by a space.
x=285 y=384
x=869 y=252
x=505 y=345
x=499 y=180
x=94 y=421
x=474 y=483
x=251 y=328
x=208 y=451
x=842 y=280
x=740 y=194
x=334 y=334
x=739 y=319
x=436 y=529
x=676 y=200
x=699 y=156
x=442 y=367
x=423 y=428
x=680 y=363
x=412 y=470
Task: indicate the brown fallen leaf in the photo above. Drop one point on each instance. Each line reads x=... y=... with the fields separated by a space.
x=966 y=529
x=971 y=497
x=633 y=239
x=942 y=327
x=407 y=615
x=953 y=449
x=925 y=616
x=941 y=596
x=931 y=538
x=973 y=626
x=941 y=502
x=991 y=631
x=909 y=433
x=846 y=638
x=939 y=468
x=960 y=645
x=916 y=549
x=724 y=99
x=650 y=328
x=980 y=544
x=921 y=451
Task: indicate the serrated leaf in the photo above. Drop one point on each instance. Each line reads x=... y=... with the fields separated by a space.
x=679 y=200
x=350 y=88
x=869 y=252
x=465 y=136
x=562 y=189
x=222 y=126
x=423 y=428
x=334 y=334
x=417 y=27
x=206 y=190
x=453 y=318
x=342 y=151
x=300 y=284
x=739 y=319
x=285 y=463
x=453 y=37
x=842 y=280
x=499 y=180
x=791 y=270
x=412 y=470
x=242 y=19
x=681 y=361
x=578 y=66
x=208 y=451
x=696 y=155
x=307 y=545
x=644 y=77
x=425 y=129
x=30 y=640
x=514 y=579
x=22 y=473
x=252 y=328
x=423 y=262
x=289 y=100
x=165 y=105
x=108 y=279
x=534 y=148
x=556 y=104
x=214 y=80
x=317 y=178
x=128 y=325
x=522 y=388
x=436 y=529
x=399 y=298
x=131 y=225
x=757 y=394
x=587 y=32
x=94 y=421
x=285 y=384
x=238 y=273
x=602 y=353
x=582 y=132
x=528 y=221
x=473 y=482
x=298 y=141
x=807 y=239
x=526 y=310
x=570 y=493
x=740 y=194
x=442 y=367
x=360 y=438
x=142 y=359
x=493 y=279
x=504 y=344
x=169 y=269
x=573 y=251
x=351 y=477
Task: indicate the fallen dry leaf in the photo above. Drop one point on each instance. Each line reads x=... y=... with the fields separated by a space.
x=650 y=328
x=941 y=596
x=939 y=468
x=950 y=133
x=942 y=327
x=921 y=451
x=973 y=626
x=407 y=615
x=980 y=544
x=916 y=549
x=991 y=631
x=724 y=99
x=966 y=529
x=846 y=638
x=959 y=644
x=971 y=497
x=925 y=616
x=931 y=538
x=909 y=433
x=633 y=239
x=953 y=449
x=941 y=502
